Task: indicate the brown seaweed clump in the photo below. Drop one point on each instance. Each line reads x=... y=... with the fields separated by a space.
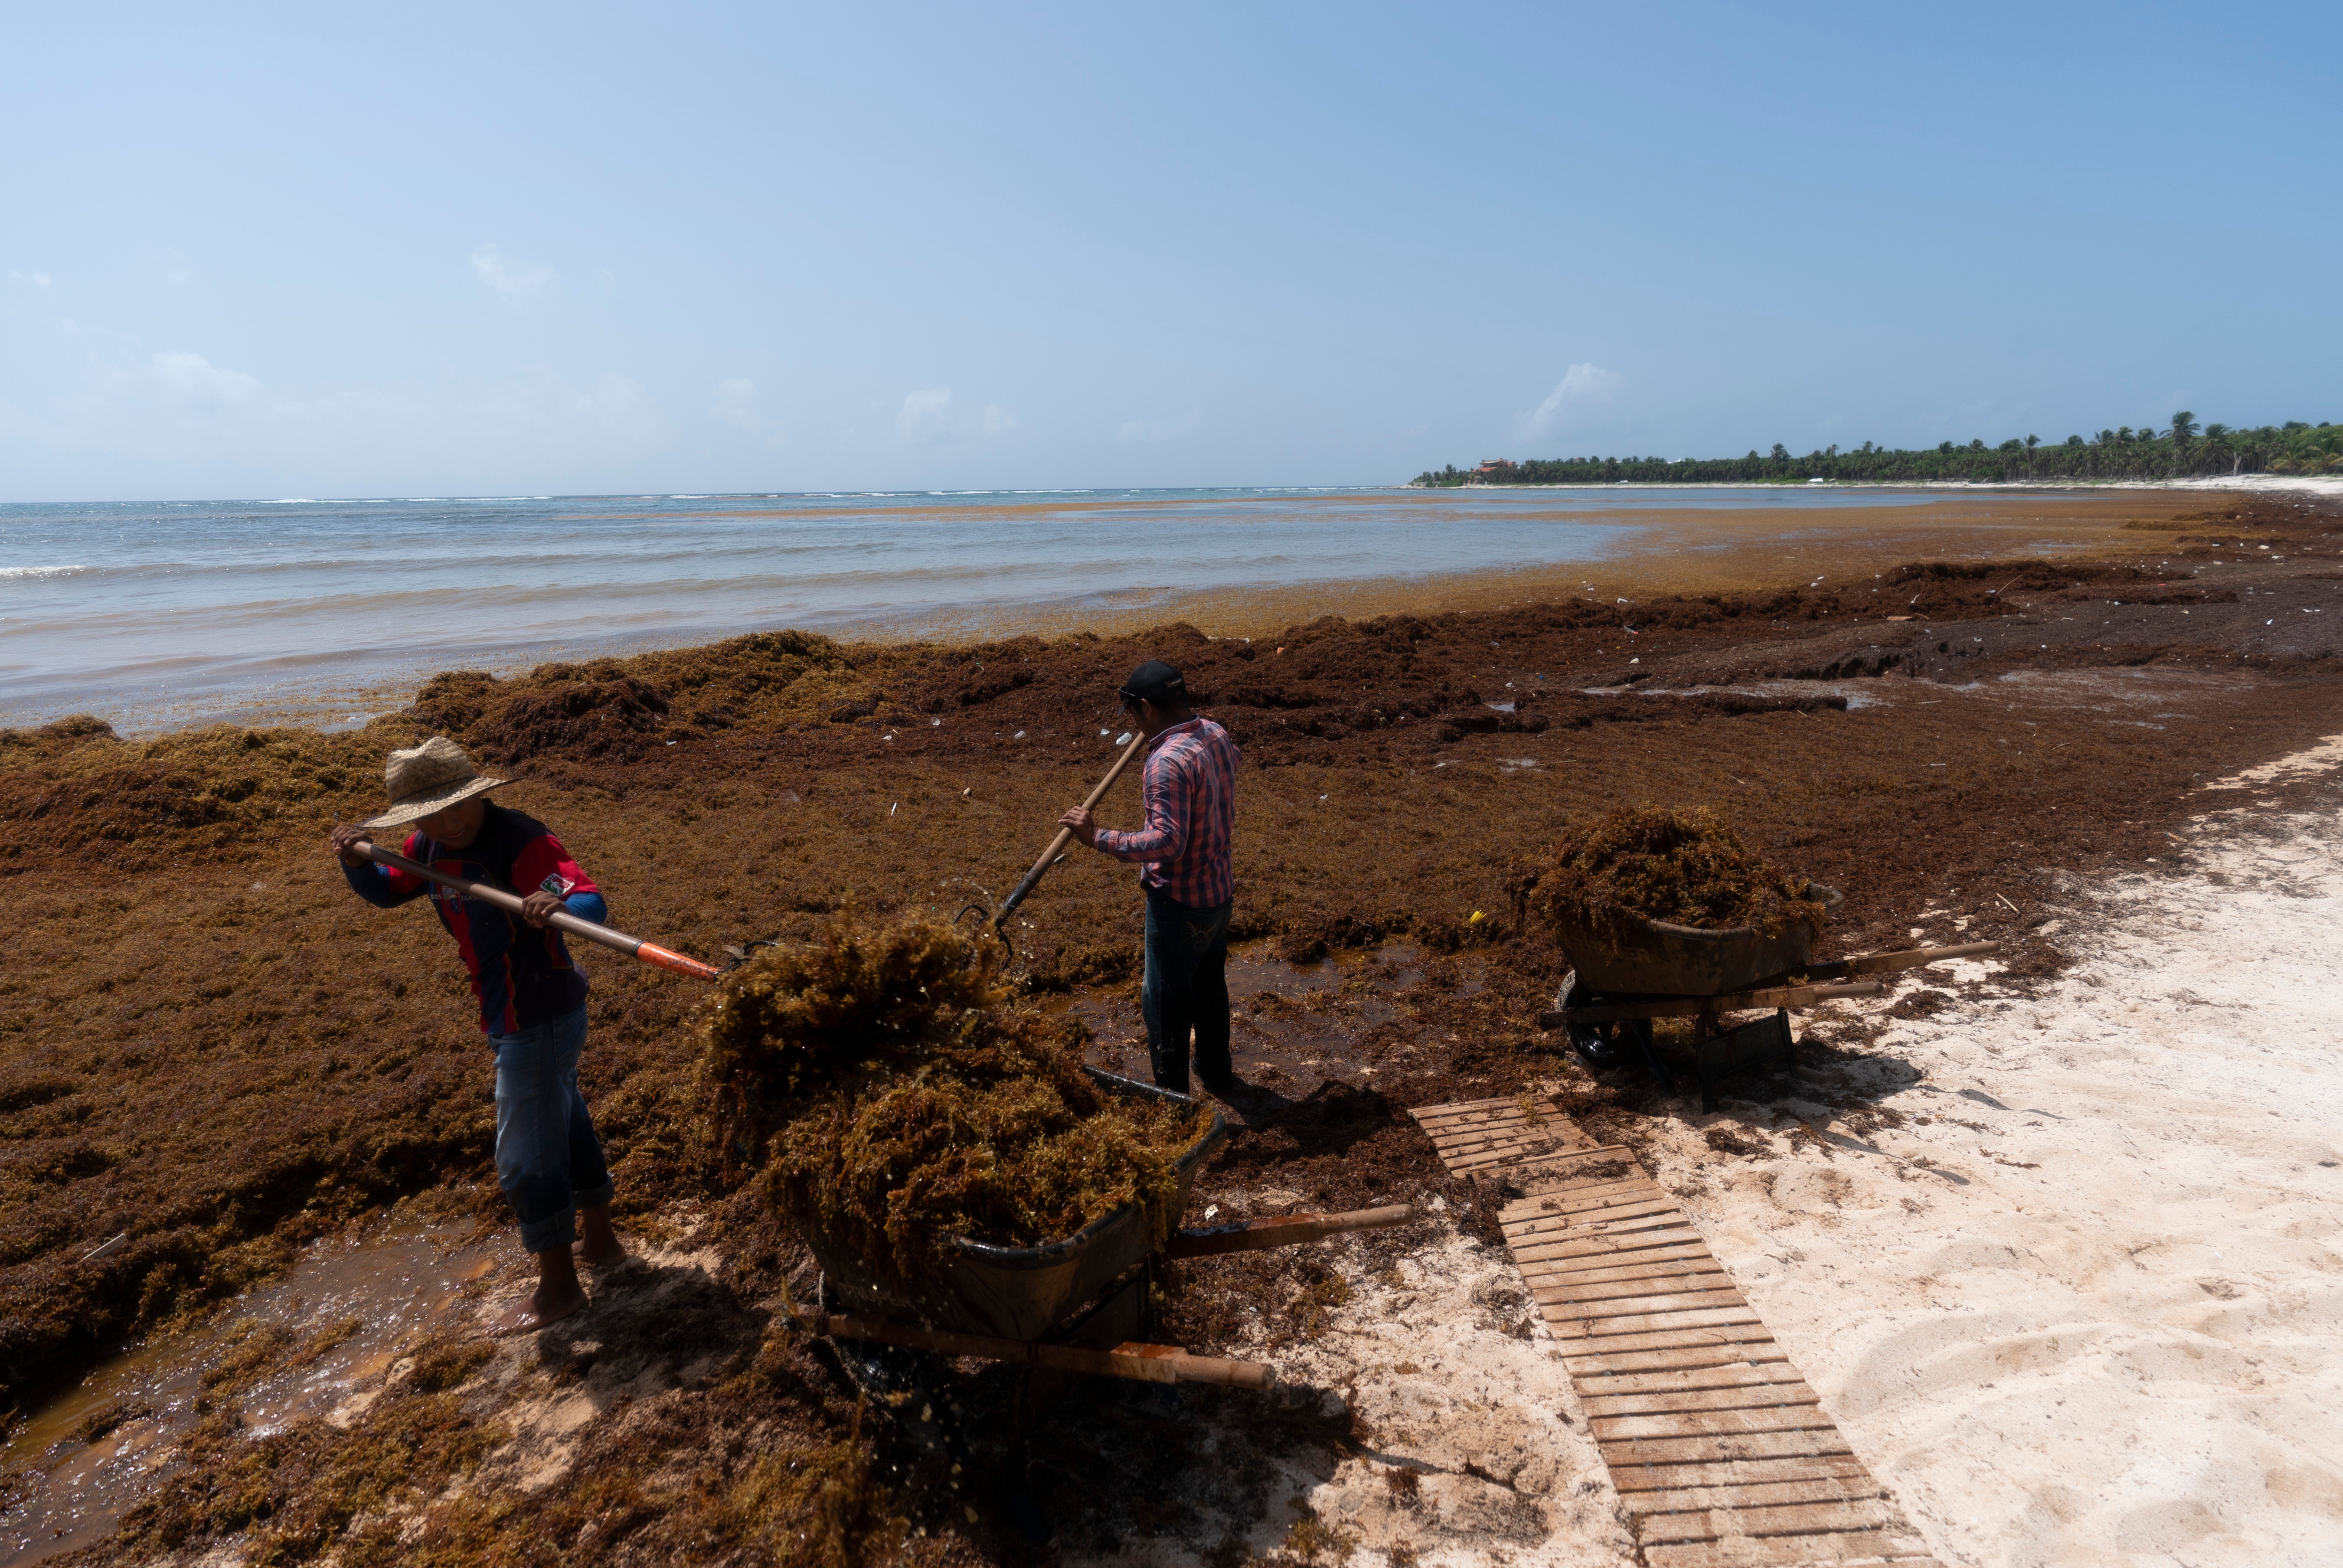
x=896 y=1100
x=1684 y=867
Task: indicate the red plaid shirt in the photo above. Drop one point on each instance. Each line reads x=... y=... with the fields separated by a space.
x=1190 y=796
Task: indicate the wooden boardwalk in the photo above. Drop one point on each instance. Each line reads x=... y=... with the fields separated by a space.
x=1722 y=1455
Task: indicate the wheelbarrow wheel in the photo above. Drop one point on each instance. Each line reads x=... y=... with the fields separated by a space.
x=1623 y=1042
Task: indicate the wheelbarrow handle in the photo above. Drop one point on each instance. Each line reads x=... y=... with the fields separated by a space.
x=1066 y=835
x=1136 y=1361
x=1259 y=1235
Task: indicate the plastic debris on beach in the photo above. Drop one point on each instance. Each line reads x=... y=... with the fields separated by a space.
x=883 y=1087
x=1685 y=868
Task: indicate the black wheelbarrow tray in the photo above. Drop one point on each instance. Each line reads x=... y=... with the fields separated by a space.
x=1622 y=977
x=1029 y=1304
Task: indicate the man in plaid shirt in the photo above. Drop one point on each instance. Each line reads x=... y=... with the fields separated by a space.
x=1191 y=808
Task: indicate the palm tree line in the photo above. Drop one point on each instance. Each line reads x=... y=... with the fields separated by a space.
x=2180 y=448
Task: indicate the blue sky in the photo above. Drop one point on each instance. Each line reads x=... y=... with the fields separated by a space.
x=422 y=251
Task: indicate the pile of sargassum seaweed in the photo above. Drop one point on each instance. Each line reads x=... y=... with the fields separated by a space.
x=885 y=1089
x=1683 y=867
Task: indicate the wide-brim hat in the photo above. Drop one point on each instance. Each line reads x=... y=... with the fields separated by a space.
x=426 y=779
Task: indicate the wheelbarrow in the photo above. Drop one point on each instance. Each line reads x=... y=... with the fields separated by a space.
x=1069 y=1307
x=1634 y=970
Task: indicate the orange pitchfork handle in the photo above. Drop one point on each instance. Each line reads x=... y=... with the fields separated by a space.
x=633 y=947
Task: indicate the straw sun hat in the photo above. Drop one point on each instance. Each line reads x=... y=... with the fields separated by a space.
x=427 y=778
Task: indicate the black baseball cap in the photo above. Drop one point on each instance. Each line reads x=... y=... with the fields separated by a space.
x=1156 y=682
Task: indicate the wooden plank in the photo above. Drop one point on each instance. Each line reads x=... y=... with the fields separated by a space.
x=1717 y=1423
x=1760 y=1494
x=1785 y=1551
x=1569 y=1274
x=1654 y=1283
x=1749 y=1396
x=1703 y=1291
x=1557 y=1271
x=1617 y=1205
x=1650 y=1306
x=1633 y=1480
x=1565 y=1184
x=1804 y=1445
x=1512 y=1131
x=1627 y=1196
x=1585 y=1195
x=1664 y=1230
x=1575 y=1330
x=1687 y=1380
x=1677 y=1348
x=1458 y=1106
x=1792 y=1519
x=1500 y=1160
x=1598 y=1154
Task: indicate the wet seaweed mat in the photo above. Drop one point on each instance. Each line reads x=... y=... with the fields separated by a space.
x=1721 y=1453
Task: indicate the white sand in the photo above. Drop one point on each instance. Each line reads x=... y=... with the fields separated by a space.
x=2105 y=1324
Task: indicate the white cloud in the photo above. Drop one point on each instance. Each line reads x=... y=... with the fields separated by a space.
x=929 y=417
x=513 y=280
x=1137 y=430
x=611 y=405
x=37 y=279
x=1582 y=386
x=734 y=402
x=179 y=406
x=192 y=381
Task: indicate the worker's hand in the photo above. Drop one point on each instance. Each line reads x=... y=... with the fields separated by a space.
x=539 y=908
x=1084 y=826
x=344 y=844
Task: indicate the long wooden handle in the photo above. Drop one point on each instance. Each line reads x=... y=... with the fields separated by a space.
x=1139 y=1363
x=1259 y=1235
x=633 y=947
x=1912 y=958
x=1066 y=835
x=1738 y=1001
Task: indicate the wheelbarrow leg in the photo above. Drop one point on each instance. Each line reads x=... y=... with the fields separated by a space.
x=1703 y=1030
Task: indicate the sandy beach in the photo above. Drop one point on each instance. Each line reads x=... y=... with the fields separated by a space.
x=2051 y=1235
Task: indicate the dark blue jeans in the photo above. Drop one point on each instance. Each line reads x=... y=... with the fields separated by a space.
x=1186 y=991
x=549 y=1160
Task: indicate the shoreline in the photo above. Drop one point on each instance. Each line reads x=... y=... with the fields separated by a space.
x=2304 y=483
x=1691 y=551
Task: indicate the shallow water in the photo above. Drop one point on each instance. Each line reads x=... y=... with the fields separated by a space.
x=75 y=1488
x=158 y=614
x=1292 y=1027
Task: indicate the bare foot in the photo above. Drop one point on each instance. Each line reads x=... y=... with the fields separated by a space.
x=546 y=1305
x=597 y=1243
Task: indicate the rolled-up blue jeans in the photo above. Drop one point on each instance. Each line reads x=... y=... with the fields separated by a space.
x=548 y=1159
x=1186 y=991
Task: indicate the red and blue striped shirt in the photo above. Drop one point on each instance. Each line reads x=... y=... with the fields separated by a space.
x=521 y=973
x=1190 y=795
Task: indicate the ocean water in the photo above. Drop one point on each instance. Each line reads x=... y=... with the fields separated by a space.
x=158 y=614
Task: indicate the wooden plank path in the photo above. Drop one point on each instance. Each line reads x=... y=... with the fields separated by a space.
x=1722 y=1455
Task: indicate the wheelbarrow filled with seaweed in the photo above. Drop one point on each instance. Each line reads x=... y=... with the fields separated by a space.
x=1665 y=914
x=967 y=1185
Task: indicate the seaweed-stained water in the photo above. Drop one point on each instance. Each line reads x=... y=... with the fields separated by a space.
x=1292 y=1027
x=344 y=1316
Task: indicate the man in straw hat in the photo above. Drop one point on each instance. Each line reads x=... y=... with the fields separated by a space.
x=532 y=998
